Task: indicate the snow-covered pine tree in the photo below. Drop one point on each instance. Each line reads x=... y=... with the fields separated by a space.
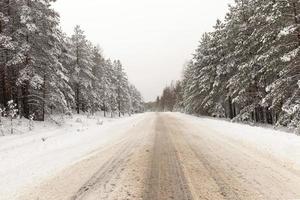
x=66 y=58
x=214 y=102
x=5 y=46
x=111 y=91
x=42 y=76
x=247 y=68
x=283 y=92
x=201 y=75
x=122 y=88
x=243 y=84
x=189 y=85
x=81 y=70
x=9 y=49
x=43 y=71
x=178 y=91
x=106 y=86
x=100 y=81
x=136 y=99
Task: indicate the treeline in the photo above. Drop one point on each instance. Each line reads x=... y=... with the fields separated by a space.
x=247 y=68
x=170 y=100
x=45 y=71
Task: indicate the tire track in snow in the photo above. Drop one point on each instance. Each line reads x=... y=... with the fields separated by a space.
x=166 y=179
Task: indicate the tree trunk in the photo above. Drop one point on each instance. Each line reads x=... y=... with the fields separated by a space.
x=230 y=107
x=265 y=115
x=19 y=101
x=119 y=108
x=234 y=110
x=104 y=109
x=25 y=94
x=44 y=98
x=77 y=99
x=119 y=101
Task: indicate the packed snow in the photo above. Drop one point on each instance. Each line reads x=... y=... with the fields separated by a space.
x=28 y=157
x=281 y=145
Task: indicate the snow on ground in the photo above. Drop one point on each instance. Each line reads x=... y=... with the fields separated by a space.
x=281 y=145
x=28 y=158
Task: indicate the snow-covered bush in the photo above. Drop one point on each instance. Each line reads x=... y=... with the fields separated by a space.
x=99 y=122
x=69 y=114
x=62 y=120
x=78 y=120
x=90 y=115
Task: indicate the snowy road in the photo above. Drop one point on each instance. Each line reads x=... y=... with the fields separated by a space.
x=173 y=156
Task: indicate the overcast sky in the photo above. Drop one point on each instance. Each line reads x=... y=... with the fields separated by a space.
x=152 y=38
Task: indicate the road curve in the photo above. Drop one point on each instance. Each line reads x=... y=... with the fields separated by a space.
x=165 y=157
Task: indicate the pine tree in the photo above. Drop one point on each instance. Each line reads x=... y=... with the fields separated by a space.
x=45 y=72
x=136 y=100
x=98 y=83
x=246 y=69
x=81 y=69
x=122 y=88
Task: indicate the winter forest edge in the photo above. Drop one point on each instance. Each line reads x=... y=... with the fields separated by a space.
x=246 y=69
x=43 y=71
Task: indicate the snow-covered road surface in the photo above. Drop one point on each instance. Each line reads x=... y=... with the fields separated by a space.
x=30 y=158
x=175 y=156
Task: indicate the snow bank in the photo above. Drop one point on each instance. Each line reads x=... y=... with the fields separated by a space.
x=281 y=145
x=29 y=158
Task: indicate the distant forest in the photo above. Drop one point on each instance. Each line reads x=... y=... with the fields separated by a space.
x=44 y=71
x=246 y=69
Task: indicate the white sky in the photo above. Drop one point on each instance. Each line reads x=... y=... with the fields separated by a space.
x=152 y=38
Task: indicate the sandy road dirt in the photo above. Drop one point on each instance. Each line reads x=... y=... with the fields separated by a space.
x=165 y=157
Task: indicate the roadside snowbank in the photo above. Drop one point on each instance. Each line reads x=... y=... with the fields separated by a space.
x=281 y=145
x=28 y=158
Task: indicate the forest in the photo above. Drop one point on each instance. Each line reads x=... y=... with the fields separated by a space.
x=246 y=69
x=43 y=71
